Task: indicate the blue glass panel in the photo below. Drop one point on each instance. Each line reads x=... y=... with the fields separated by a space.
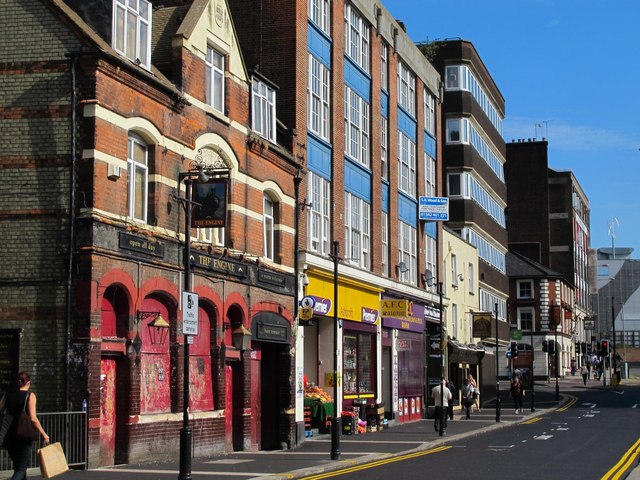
x=407 y=124
x=384 y=100
x=357 y=180
x=430 y=145
x=407 y=210
x=385 y=197
x=319 y=45
x=357 y=80
x=318 y=156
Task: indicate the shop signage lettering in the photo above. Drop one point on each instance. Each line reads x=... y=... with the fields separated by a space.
x=322 y=306
x=220 y=265
x=141 y=245
x=271 y=277
x=274 y=333
x=394 y=308
x=369 y=315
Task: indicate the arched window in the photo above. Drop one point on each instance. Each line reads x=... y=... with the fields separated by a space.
x=137 y=178
x=268 y=213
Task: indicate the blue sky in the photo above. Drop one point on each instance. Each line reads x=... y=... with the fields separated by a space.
x=572 y=68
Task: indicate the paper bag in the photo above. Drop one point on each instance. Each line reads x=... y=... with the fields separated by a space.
x=52 y=460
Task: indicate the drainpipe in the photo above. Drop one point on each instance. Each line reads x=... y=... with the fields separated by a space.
x=72 y=224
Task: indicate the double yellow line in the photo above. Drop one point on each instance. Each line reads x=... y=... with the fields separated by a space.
x=377 y=463
x=627 y=460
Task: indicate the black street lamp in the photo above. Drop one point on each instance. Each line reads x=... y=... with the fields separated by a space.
x=556 y=347
x=613 y=326
x=533 y=393
x=442 y=369
x=497 y=370
x=336 y=421
x=186 y=435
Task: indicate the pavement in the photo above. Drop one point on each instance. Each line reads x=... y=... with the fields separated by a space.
x=314 y=455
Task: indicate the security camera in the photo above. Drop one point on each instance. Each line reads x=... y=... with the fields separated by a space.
x=305 y=280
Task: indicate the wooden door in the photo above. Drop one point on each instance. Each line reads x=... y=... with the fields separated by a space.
x=107 y=411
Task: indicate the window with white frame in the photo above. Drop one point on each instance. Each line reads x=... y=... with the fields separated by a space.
x=384 y=147
x=471 y=279
x=214 y=65
x=407 y=253
x=263 y=109
x=429 y=112
x=318 y=98
x=406 y=164
x=268 y=213
x=454 y=270
x=525 y=318
x=214 y=236
x=385 y=243
x=357 y=230
x=319 y=213
x=468 y=186
x=454 y=320
x=356 y=37
x=431 y=246
x=356 y=126
x=429 y=176
x=319 y=14
x=132 y=30
x=524 y=289
x=406 y=89
x=384 y=66
x=137 y=178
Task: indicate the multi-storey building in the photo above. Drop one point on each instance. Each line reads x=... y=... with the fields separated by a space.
x=474 y=155
x=107 y=107
x=617 y=295
x=362 y=105
x=556 y=232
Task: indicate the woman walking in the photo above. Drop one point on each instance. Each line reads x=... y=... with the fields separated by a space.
x=517 y=392
x=19 y=448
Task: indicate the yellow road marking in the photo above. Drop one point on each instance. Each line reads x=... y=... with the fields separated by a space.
x=572 y=401
x=532 y=420
x=628 y=459
x=377 y=463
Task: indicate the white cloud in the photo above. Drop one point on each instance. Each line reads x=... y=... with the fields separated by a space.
x=568 y=137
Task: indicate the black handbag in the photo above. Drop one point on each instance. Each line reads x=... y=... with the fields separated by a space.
x=24 y=428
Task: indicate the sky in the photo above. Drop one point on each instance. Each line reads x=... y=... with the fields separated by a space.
x=569 y=71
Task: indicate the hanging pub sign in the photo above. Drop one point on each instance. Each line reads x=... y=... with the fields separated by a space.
x=210 y=200
x=482 y=324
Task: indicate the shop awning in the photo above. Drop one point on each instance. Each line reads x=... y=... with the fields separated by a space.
x=491 y=342
x=461 y=353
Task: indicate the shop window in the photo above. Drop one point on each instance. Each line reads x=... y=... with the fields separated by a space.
x=358 y=364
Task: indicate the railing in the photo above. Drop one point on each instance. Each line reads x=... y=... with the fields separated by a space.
x=68 y=428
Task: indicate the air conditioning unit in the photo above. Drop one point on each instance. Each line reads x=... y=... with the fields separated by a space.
x=113 y=172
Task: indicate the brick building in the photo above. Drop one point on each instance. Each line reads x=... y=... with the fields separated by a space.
x=365 y=106
x=105 y=104
x=556 y=233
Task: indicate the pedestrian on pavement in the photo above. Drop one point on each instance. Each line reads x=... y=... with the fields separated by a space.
x=19 y=448
x=585 y=374
x=476 y=392
x=454 y=395
x=517 y=392
x=467 y=398
x=436 y=394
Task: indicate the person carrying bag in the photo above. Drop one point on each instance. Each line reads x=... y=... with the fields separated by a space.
x=26 y=427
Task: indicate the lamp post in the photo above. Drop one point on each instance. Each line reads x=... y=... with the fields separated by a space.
x=442 y=383
x=186 y=436
x=533 y=394
x=497 y=370
x=555 y=349
x=336 y=421
x=613 y=326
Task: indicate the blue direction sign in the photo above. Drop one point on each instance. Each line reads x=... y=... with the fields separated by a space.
x=434 y=208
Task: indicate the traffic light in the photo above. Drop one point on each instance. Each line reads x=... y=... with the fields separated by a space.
x=552 y=347
x=604 y=347
x=583 y=347
x=545 y=346
x=514 y=350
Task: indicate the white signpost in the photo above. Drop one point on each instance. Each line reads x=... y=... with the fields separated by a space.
x=189 y=313
x=434 y=208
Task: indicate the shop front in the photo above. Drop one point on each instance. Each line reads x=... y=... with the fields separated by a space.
x=358 y=341
x=405 y=325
